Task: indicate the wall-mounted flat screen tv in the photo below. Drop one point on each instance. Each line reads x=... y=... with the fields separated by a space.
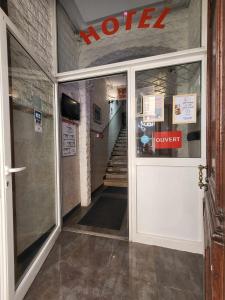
x=70 y=108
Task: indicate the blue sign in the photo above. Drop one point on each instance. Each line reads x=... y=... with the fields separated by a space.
x=145 y=139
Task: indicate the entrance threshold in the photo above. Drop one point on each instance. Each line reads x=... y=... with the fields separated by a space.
x=92 y=233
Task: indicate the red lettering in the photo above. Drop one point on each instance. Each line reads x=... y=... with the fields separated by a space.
x=129 y=19
x=145 y=17
x=158 y=23
x=115 y=28
x=91 y=33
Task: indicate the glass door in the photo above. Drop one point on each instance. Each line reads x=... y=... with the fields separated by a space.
x=170 y=143
x=29 y=163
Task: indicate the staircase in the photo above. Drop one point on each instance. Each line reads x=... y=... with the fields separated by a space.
x=116 y=172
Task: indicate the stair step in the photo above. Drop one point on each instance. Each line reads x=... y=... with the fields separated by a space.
x=120 y=147
x=119 y=153
x=113 y=172
x=117 y=169
x=116 y=183
x=116 y=176
x=120 y=150
x=120 y=157
x=117 y=163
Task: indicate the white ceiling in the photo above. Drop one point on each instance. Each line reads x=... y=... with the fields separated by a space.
x=103 y=8
x=85 y=12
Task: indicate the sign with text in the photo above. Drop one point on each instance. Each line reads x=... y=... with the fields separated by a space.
x=38 y=121
x=153 y=108
x=168 y=139
x=111 y=25
x=68 y=138
x=185 y=109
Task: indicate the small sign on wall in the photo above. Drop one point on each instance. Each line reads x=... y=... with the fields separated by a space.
x=68 y=138
x=37 y=121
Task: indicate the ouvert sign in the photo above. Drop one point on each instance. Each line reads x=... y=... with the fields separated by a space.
x=111 y=25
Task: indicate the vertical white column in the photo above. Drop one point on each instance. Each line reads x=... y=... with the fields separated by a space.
x=84 y=145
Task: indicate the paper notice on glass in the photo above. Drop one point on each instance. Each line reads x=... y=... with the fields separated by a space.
x=153 y=108
x=68 y=138
x=185 y=109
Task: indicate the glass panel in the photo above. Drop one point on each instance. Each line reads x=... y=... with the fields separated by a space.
x=168 y=111
x=127 y=35
x=32 y=126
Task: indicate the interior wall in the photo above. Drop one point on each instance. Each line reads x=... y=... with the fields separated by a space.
x=70 y=166
x=68 y=42
x=101 y=147
x=34 y=20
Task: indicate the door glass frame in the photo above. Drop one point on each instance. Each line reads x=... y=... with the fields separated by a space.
x=8 y=288
x=182 y=57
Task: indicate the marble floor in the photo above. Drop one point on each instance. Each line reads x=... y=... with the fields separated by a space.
x=84 y=267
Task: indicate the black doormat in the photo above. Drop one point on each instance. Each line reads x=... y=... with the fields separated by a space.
x=107 y=212
x=116 y=190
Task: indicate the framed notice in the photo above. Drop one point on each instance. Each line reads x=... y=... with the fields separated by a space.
x=97 y=114
x=122 y=93
x=68 y=138
x=185 y=109
x=153 y=108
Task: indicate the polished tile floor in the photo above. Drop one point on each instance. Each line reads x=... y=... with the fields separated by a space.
x=84 y=267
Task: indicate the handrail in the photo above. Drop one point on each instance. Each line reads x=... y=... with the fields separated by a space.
x=107 y=125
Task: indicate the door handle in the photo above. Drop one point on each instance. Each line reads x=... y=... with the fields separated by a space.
x=200 y=182
x=9 y=171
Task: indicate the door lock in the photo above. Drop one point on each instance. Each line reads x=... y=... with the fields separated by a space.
x=201 y=184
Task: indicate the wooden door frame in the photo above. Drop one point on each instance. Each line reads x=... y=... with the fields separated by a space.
x=214 y=207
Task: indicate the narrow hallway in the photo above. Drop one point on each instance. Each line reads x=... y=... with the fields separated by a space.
x=82 y=267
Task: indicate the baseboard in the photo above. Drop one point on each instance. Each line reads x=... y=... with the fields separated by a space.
x=35 y=245
x=97 y=190
x=67 y=215
x=171 y=243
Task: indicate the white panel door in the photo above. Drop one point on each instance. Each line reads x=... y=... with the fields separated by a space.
x=169 y=114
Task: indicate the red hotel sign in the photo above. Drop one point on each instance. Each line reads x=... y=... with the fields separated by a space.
x=168 y=139
x=111 y=25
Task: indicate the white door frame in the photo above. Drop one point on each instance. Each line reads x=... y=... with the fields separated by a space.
x=181 y=162
x=130 y=67
x=8 y=290
x=6 y=237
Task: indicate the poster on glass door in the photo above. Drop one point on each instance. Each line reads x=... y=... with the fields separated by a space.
x=153 y=108
x=185 y=109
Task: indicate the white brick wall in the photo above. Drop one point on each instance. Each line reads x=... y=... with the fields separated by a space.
x=34 y=20
x=68 y=42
